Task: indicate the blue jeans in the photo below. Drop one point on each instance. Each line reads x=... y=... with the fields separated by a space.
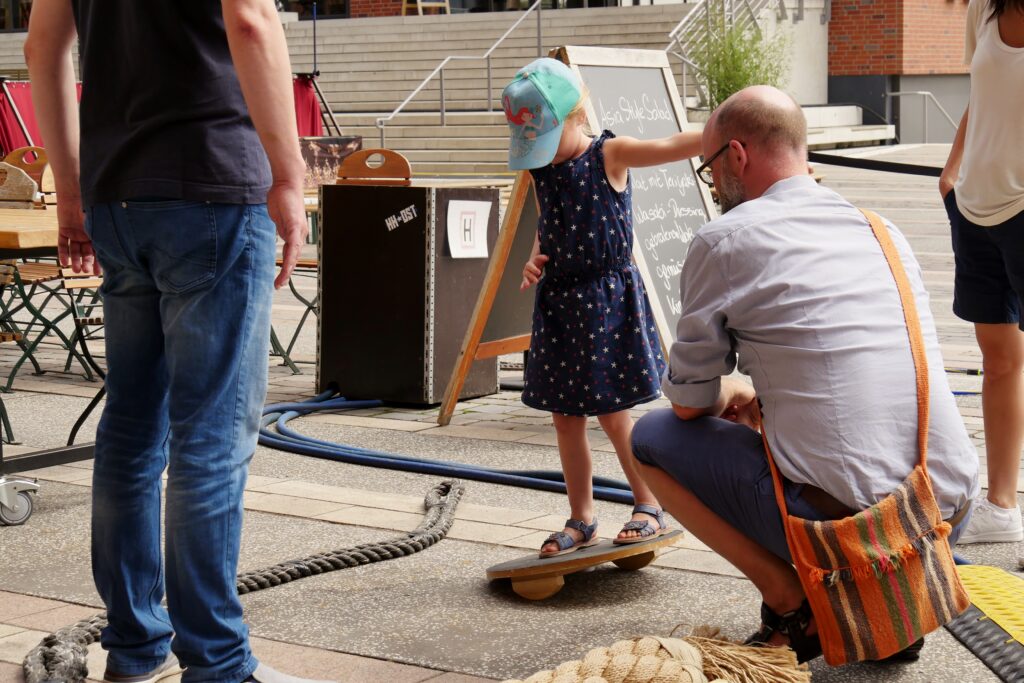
x=187 y=292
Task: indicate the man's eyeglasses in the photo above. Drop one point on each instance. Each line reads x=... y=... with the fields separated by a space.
x=704 y=170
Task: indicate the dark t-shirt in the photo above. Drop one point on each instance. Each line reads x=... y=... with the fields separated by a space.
x=162 y=113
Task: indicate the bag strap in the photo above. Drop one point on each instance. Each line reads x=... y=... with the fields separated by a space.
x=917 y=351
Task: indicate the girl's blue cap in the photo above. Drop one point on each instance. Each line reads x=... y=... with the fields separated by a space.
x=536 y=104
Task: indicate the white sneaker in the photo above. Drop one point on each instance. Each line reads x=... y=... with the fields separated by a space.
x=990 y=523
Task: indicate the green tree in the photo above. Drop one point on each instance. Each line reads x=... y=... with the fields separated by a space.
x=733 y=57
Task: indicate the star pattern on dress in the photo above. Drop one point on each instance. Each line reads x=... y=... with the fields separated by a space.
x=584 y=360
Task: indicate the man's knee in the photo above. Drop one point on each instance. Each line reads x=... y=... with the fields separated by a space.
x=649 y=435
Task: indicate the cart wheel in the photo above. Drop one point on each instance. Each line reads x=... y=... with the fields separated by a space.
x=20 y=513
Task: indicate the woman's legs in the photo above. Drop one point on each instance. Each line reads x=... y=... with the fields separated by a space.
x=574 y=452
x=1002 y=399
x=619 y=428
x=989 y=288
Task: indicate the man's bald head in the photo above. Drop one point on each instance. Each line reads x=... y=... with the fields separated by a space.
x=763 y=116
x=762 y=133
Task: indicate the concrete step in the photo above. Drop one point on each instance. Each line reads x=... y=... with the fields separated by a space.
x=429 y=132
x=445 y=168
x=830 y=116
x=457 y=156
x=467 y=118
x=431 y=144
x=841 y=136
x=402 y=130
x=490 y=32
x=429 y=48
x=475 y=21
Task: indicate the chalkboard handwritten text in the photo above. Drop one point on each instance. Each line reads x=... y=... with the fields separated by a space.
x=636 y=111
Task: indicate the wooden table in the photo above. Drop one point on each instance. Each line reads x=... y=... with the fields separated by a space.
x=27 y=232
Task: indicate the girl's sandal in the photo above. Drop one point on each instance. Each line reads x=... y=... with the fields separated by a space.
x=646 y=530
x=568 y=544
x=793 y=625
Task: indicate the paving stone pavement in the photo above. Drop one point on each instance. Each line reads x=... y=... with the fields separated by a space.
x=319 y=502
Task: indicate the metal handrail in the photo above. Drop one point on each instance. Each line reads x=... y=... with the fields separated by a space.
x=927 y=95
x=439 y=70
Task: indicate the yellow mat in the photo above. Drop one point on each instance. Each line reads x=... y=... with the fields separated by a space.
x=999 y=594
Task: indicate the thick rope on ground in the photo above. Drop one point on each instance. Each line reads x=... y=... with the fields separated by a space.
x=694 y=659
x=61 y=656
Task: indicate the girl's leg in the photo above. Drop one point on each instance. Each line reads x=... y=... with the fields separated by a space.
x=574 y=452
x=619 y=427
x=1002 y=396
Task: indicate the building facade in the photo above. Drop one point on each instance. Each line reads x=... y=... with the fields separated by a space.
x=878 y=48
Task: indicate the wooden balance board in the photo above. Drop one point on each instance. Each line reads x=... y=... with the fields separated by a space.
x=535 y=579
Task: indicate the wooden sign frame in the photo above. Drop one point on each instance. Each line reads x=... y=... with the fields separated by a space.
x=576 y=56
x=472 y=347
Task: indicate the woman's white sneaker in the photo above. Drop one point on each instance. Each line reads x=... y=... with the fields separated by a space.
x=990 y=523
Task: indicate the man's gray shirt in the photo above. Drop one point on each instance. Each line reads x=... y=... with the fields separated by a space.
x=795 y=285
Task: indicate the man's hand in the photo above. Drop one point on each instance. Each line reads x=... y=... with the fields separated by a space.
x=736 y=403
x=285 y=204
x=532 y=271
x=741 y=413
x=74 y=248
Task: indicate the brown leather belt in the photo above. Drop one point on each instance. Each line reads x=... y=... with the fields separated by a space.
x=826 y=504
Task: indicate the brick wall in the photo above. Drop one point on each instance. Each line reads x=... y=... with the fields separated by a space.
x=865 y=37
x=933 y=36
x=896 y=37
x=375 y=8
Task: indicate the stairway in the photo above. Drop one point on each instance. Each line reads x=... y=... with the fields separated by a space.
x=371 y=65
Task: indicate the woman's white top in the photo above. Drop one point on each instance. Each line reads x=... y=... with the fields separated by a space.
x=990 y=188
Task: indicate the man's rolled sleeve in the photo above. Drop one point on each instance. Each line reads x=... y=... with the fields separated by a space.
x=703 y=350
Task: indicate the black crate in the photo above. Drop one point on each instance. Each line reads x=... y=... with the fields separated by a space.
x=395 y=305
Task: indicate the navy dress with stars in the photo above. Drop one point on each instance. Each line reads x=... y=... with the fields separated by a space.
x=595 y=347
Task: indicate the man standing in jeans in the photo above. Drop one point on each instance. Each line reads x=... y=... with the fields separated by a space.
x=183 y=106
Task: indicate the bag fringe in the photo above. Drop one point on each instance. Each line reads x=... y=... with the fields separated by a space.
x=886 y=564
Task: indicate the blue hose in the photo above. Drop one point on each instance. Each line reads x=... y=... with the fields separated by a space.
x=287 y=439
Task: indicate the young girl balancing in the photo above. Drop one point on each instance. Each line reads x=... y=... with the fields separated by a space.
x=594 y=349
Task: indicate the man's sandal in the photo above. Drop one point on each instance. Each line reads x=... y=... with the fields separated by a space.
x=646 y=530
x=911 y=653
x=793 y=625
x=568 y=544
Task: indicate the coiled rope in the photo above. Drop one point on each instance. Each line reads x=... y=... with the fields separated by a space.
x=61 y=656
x=694 y=659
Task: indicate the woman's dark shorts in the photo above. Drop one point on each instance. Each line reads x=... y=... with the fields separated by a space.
x=989 y=284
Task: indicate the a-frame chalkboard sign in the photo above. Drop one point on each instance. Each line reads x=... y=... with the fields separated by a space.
x=631 y=92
